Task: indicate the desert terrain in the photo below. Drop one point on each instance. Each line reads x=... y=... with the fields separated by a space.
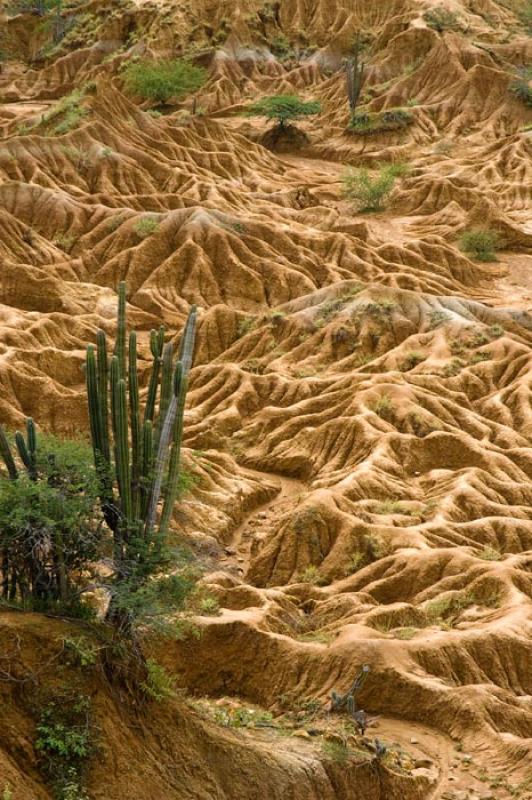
x=359 y=424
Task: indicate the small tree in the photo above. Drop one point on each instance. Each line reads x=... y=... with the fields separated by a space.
x=161 y=80
x=283 y=108
x=369 y=191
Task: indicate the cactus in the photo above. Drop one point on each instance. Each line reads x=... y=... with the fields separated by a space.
x=354 y=69
x=27 y=451
x=347 y=701
x=145 y=452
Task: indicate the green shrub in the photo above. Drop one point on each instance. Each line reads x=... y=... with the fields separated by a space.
x=370 y=191
x=162 y=80
x=525 y=15
x=521 y=88
x=383 y=407
x=145 y=227
x=51 y=526
x=442 y=19
x=411 y=360
x=209 y=606
x=366 y=123
x=64 y=744
x=159 y=685
x=481 y=244
x=283 y=108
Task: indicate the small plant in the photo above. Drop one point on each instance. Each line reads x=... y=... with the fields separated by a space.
x=481 y=244
x=159 y=685
x=405 y=633
x=64 y=744
x=521 y=86
x=283 y=108
x=383 y=407
x=312 y=575
x=69 y=111
x=453 y=368
x=371 y=192
x=443 y=148
x=145 y=227
x=392 y=507
x=209 y=606
x=411 y=360
x=438 y=318
x=162 y=80
x=80 y=651
x=335 y=751
x=442 y=19
x=245 y=325
x=368 y=123
x=489 y=553
x=7 y=794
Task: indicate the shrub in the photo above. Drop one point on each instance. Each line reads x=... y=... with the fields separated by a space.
x=209 y=606
x=162 y=80
x=442 y=19
x=283 y=108
x=411 y=360
x=51 y=526
x=159 y=685
x=383 y=407
x=521 y=88
x=371 y=192
x=145 y=227
x=367 y=123
x=480 y=243
x=64 y=744
x=69 y=110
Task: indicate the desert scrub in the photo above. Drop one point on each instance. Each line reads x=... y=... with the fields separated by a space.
x=481 y=244
x=245 y=325
x=521 y=88
x=69 y=110
x=162 y=80
x=368 y=123
x=489 y=553
x=145 y=227
x=283 y=108
x=312 y=575
x=383 y=407
x=442 y=19
x=411 y=360
x=370 y=191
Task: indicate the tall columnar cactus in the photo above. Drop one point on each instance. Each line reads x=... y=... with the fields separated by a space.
x=355 y=69
x=137 y=456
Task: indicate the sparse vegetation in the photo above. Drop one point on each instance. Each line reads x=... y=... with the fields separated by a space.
x=209 y=606
x=521 y=87
x=411 y=359
x=146 y=226
x=481 y=244
x=489 y=553
x=383 y=407
x=369 y=123
x=442 y=19
x=283 y=109
x=64 y=744
x=159 y=685
x=370 y=191
x=162 y=81
x=311 y=574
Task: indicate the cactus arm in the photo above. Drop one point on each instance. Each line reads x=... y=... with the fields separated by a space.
x=103 y=392
x=123 y=473
x=156 y=344
x=166 y=389
x=120 y=346
x=172 y=484
x=188 y=340
x=25 y=455
x=136 y=441
x=7 y=456
x=146 y=477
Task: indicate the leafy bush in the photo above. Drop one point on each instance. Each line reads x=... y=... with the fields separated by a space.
x=64 y=744
x=365 y=123
x=283 y=108
x=371 y=192
x=481 y=244
x=442 y=19
x=145 y=227
x=159 y=685
x=51 y=525
x=162 y=80
x=521 y=86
